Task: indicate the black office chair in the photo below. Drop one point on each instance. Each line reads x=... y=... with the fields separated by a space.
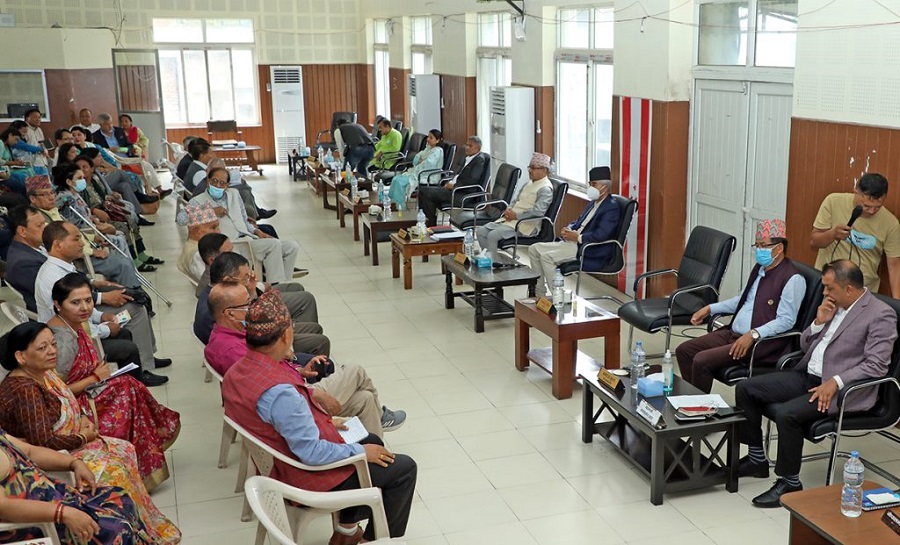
x=812 y=298
x=337 y=119
x=427 y=177
x=458 y=192
x=627 y=209
x=700 y=274
x=547 y=230
x=417 y=142
x=472 y=205
x=880 y=419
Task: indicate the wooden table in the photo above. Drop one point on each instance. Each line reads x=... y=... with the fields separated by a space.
x=411 y=248
x=236 y=155
x=816 y=519
x=328 y=184
x=488 y=284
x=578 y=320
x=679 y=456
x=345 y=203
x=376 y=229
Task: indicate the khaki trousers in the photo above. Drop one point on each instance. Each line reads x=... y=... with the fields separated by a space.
x=352 y=387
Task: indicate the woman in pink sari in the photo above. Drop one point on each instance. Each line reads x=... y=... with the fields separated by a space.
x=124 y=407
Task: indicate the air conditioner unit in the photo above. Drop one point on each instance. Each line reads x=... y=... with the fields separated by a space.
x=425 y=102
x=512 y=127
x=287 y=110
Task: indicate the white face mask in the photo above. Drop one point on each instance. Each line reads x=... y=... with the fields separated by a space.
x=593 y=193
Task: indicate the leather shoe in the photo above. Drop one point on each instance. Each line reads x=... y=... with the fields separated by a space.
x=145 y=199
x=149 y=379
x=338 y=538
x=163 y=193
x=747 y=468
x=266 y=214
x=159 y=363
x=772 y=497
x=144 y=222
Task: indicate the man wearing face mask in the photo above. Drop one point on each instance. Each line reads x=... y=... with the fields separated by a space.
x=875 y=233
x=597 y=223
x=768 y=306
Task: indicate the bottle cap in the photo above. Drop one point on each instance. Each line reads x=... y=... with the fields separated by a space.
x=854 y=454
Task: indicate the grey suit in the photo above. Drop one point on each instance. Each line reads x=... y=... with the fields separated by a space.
x=860 y=348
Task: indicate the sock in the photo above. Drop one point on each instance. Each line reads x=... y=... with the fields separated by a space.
x=347 y=531
x=757 y=455
x=793 y=480
x=143 y=256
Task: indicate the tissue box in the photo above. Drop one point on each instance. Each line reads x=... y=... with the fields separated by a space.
x=648 y=387
x=483 y=262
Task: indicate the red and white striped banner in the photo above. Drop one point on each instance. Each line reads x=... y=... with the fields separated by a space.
x=634 y=166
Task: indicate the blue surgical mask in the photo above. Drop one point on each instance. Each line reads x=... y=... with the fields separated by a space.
x=80 y=185
x=764 y=257
x=862 y=240
x=216 y=192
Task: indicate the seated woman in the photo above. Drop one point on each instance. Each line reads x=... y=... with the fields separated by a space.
x=19 y=170
x=125 y=408
x=135 y=135
x=67 y=153
x=86 y=514
x=430 y=158
x=36 y=405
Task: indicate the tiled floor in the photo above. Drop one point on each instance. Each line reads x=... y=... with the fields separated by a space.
x=500 y=460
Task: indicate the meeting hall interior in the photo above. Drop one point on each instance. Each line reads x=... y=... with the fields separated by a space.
x=450 y=272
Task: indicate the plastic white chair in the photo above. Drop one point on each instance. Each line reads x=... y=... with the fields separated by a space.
x=267 y=498
x=16 y=314
x=264 y=456
x=47 y=528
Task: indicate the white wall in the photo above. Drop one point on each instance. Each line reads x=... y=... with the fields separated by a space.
x=50 y=48
x=532 y=60
x=454 y=42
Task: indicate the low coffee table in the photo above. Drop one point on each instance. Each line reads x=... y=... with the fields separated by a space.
x=410 y=248
x=816 y=519
x=344 y=203
x=672 y=457
x=488 y=284
x=377 y=229
x=577 y=320
x=328 y=184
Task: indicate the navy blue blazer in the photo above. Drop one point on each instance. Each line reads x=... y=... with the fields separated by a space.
x=602 y=227
x=120 y=137
x=26 y=262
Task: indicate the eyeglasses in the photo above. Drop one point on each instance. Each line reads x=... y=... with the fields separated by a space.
x=249 y=279
x=764 y=245
x=216 y=181
x=43 y=194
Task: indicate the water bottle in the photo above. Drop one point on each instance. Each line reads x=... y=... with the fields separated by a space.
x=851 y=494
x=668 y=370
x=386 y=200
x=354 y=184
x=469 y=243
x=420 y=224
x=559 y=283
x=638 y=359
x=320 y=155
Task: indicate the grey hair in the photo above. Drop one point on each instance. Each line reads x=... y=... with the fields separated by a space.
x=475 y=140
x=104 y=117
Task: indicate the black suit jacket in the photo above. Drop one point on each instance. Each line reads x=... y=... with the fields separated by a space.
x=120 y=137
x=472 y=173
x=26 y=262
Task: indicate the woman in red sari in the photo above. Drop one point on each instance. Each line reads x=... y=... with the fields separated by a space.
x=125 y=408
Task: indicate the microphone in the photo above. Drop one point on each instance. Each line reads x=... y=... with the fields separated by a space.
x=857 y=212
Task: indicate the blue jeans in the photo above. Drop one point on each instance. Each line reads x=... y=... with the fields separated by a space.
x=358 y=157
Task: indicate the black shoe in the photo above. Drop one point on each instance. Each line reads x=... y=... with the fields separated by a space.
x=145 y=199
x=266 y=214
x=153 y=261
x=163 y=193
x=144 y=222
x=149 y=379
x=162 y=362
x=747 y=468
x=772 y=497
x=146 y=267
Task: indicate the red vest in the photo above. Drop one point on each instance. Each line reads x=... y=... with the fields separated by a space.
x=244 y=383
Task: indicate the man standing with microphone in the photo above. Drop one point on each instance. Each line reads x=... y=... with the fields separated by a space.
x=870 y=232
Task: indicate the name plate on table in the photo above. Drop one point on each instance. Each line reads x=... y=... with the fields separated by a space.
x=609 y=380
x=345 y=192
x=460 y=258
x=892 y=520
x=648 y=413
x=546 y=306
x=402 y=233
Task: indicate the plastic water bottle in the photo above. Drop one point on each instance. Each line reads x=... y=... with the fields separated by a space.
x=559 y=283
x=420 y=224
x=354 y=184
x=386 y=200
x=638 y=360
x=851 y=495
x=668 y=370
x=320 y=155
x=469 y=243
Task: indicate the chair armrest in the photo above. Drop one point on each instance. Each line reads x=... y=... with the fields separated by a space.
x=443 y=176
x=789 y=360
x=651 y=274
x=590 y=245
x=858 y=385
x=464 y=189
x=482 y=205
x=471 y=196
x=689 y=289
x=785 y=335
x=541 y=219
x=713 y=318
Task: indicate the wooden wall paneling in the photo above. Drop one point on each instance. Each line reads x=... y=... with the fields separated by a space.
x=545 y=119
x=328 y=89
x=472 y=108
x=137 y=88
x=365 y=92
x=68 y=91
x=455 y=113
x=266 y=115
x=399 y=94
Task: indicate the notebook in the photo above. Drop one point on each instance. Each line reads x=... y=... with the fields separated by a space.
x=879 y=498
x=355 y=431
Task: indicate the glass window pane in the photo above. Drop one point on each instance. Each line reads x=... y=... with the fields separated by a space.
x=572 y=136
x=603 y=28
x=381 y=36
x=221 y=96
x=195 y=86
x=418 y=63
x=170 y=75
x=574 y=28
x=382 y=84
x=505 y=26
x=776 y=33
x=603 y=93
x=486 y=77
x=178 y=30
x=229 y=31
x=723 y=34
x=421 y=30
x=488 y=30
x=245 y=103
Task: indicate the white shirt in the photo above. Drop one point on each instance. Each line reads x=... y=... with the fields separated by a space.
x=816 y=359
x=52 y=270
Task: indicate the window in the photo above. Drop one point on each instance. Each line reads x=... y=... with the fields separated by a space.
x=729 y=36
x=584 y=89
x=215 y=82
x=494 y=68
x=382 y=70
x=420 y=49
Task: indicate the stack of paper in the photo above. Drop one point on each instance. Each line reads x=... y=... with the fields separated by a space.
x=703 y=400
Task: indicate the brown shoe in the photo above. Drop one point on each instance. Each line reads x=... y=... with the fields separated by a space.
x=337 y=538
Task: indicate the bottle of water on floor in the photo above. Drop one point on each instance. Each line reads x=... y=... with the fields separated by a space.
x=668 y=370
x=469 y=243
x=851 y=495
x=638 y=359
x=559 y=283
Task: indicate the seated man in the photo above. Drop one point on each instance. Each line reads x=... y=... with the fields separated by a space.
x=61 y=136
x=113 y=138
x=201 y=220
x=597 y=223
x=271 y=400
x=201 y=154
x=768 y=306
x=86 y=121
x=25 y=254
x=211 y=246
x=851 y=338
x=185 y=162
x=532 y=202
x=346 y=392
x=278 y=256
x=431 y=198
x=35 y=136
x=358 y=146
x=388 y=145
x=235 y=181
x=232 y=267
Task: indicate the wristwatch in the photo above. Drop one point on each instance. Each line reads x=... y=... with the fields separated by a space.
x=754 y=334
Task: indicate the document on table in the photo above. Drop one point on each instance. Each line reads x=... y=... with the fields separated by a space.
x=704 y=400
x=355 y=431
x=448 y=235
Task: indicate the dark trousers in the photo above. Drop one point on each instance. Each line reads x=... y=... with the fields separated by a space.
x=397 y=482
x=790 y=390
x=122 y=350
x=358 y=157
x=699 y=358
x=430 y=201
